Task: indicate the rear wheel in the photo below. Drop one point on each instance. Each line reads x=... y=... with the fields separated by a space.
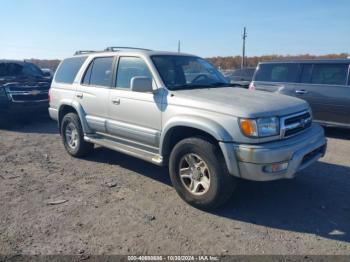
x=199 y=173
x=73 y=136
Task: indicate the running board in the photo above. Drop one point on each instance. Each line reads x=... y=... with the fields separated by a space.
x=126 y=149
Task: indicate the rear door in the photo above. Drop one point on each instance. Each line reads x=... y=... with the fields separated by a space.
x=324 y=86
x=93 y=92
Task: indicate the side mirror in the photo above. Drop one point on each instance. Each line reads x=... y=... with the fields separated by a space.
x=141 y=84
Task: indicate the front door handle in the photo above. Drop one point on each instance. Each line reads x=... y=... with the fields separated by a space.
x=79 y=95
x=116 y=101
x=301 y=92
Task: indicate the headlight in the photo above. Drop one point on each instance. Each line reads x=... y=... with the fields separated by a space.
x=261 y=127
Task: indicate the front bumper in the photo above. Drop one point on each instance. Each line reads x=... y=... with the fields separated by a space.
x=299 y=152
x=12 y=108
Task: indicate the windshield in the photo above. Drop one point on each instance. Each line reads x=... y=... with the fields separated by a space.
x=185 y=72
x=19 y=69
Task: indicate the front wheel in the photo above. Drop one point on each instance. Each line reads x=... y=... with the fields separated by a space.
x=73 y=136
x=199 y=173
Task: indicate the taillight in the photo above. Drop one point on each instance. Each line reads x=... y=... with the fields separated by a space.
x=251 y=86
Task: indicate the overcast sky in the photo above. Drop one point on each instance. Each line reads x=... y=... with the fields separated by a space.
x=55 y=29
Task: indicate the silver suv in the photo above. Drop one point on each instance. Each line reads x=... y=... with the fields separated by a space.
x=176 y=109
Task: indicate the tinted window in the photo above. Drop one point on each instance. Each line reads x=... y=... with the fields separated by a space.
x=130 y=67
x=329 y=74
x=277 y=72
x=101 y=72
x=87 y=75
x=68 y=69
x=306 y=73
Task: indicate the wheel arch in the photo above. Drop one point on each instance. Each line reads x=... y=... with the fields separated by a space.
x=73 y=107
x=182 y=127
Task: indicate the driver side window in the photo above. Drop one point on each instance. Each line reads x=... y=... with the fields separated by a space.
x=128 y=68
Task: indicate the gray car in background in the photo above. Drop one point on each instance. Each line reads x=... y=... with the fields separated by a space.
x=324 y=84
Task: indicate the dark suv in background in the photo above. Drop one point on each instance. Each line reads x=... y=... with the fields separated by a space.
x=23 y=88
x=324 y=84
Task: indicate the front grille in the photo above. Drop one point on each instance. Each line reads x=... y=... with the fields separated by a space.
x=18 y=87
x=29 y=98
x=294 y=124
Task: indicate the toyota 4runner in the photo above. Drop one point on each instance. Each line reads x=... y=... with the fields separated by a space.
x=176 y=109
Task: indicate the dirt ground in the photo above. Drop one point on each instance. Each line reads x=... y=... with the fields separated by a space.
x=109 y=203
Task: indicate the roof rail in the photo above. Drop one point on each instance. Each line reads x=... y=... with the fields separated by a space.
x=117 y=48
x=80 y=52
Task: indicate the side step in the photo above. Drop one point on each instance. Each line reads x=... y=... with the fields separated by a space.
x=126 y=149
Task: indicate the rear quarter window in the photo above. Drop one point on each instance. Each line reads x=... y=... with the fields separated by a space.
x=282 y=72
x=68 y=69
x=330 y=74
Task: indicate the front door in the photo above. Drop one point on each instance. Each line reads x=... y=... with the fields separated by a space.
x=134 y=117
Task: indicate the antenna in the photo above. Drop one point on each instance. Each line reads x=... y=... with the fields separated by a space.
x=243 y=49
x=179 y=46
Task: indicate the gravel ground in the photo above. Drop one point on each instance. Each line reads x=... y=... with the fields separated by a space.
x=109 y=203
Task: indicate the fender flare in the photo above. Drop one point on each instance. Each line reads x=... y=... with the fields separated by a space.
x=80 y=111
x=198 y=122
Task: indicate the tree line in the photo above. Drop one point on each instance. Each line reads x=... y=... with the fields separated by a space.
x=234 y=62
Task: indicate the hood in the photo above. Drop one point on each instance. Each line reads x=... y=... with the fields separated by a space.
x=238 y=102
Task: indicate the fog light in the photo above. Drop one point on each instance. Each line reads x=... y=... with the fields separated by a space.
x=276 y=167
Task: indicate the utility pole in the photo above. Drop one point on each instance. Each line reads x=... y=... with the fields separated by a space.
x=179 y=46
x=243 y=50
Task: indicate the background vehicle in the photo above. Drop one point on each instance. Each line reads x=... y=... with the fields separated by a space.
x=23 y=88
x=178 y=110
x=324 y=84
x=47 y=72
x=241 y=77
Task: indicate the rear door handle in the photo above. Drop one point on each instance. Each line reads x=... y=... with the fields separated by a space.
x=79 y=95
x=301 y=92
x=116 y=101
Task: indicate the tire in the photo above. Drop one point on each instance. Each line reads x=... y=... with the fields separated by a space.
x=209 y=194
x=76 y=146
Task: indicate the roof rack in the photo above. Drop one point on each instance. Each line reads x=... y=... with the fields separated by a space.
x=80 y=52
x=117 y=48
x=110 y=49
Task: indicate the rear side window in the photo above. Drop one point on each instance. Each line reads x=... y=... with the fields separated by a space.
x=306 y=71
x=68 y=69
x=329 y=74
x=99 y=72
x=130 y=67
x=282 y=72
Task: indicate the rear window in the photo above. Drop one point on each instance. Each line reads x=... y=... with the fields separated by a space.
x=68 y=69
x=329 y=74
x=282 y=72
